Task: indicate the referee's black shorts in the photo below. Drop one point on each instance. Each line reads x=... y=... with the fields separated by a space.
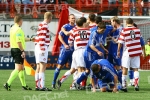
x=16 y=54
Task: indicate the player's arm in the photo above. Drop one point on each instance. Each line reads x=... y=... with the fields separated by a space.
x=121 y=40
x=29 y=39
x=62 y=40
x=92 y=41
x=67 y=33
x=18 y=40
x=143 y=46
x=93 y=84
x=101 y=45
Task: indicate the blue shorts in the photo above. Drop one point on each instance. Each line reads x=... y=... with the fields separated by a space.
x=64 y=56
x=114 y=60
x=90 y=57
x=104 y=83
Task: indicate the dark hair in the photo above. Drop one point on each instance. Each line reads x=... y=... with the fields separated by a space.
x=101 y=25
x=92 y=17
x=129 y=21
x=83 y=19
x=98 y=19
x=79 y=22
x=94 y=68
x=135 y=25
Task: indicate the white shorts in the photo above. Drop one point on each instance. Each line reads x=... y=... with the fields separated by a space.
x=41 y=56
x=133 y=62
x=78 y=59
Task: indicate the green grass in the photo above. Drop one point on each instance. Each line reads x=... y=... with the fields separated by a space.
x=18 y=94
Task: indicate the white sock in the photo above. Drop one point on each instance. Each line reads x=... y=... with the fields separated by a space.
x=37 y=81
x=131 y=81
x=124 y=80
x=65 y=76
x=75 y=74
x=136 y=78
x=42 y=79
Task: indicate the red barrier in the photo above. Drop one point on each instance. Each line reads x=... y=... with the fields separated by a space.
x=145 y=63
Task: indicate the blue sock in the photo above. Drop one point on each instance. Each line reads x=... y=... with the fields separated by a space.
x=131 y=74
x=56 y=73
x=120 y=75
x=82 y=77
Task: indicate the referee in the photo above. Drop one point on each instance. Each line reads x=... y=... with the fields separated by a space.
x=17 y=44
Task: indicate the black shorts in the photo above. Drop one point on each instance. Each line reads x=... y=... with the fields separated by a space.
x=16 y=54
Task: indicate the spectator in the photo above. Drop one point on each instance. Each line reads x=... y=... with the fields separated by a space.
x=70 y=1
x=147 y=47
x=133 y=9
x=5 y=2
x=145 y=8
x=17 y=5
x=25 y=2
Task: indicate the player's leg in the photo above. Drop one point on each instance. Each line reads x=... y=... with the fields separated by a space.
x=65 y=76
x=63 y=58
x=88 y=58
x=135 y=64
x=37 y=58
x=103 y=85
x=117 y=64
x=125 y=65
x=43 y=56
x=131 y=77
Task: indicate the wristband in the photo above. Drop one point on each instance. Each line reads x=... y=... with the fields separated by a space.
x=22 y=51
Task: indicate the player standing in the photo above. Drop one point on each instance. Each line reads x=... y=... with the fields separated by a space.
x=66 y=51
x=42 y=42
x=130 y=39
x=113 y=46
x=17 y=44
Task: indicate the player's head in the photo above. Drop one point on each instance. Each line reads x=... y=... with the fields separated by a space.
x=91 y=17
x=48 y=17
x=115 y=21
x=95 y=68
x=79 y=22
x=148 y=41
x=101 y=27
x=85 y=24
x=18 y=20
x=98 y=19
x=129 y=21
x=72 y=18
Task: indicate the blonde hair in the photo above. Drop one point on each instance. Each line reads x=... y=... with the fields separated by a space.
x=48 y=15
x=115 y=19
x=17 y=18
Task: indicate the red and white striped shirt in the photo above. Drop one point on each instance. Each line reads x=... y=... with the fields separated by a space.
x=80 y=37
x=92 y=25
x=130 y=37
x=43 y=35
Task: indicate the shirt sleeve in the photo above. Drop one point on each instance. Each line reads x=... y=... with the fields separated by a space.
x=65 y=26
x=71 y=38
x=18 y=35
x=121 y=38
x=142 y=41
x=92 y=40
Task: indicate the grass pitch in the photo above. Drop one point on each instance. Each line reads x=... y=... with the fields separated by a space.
x=65 y=93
